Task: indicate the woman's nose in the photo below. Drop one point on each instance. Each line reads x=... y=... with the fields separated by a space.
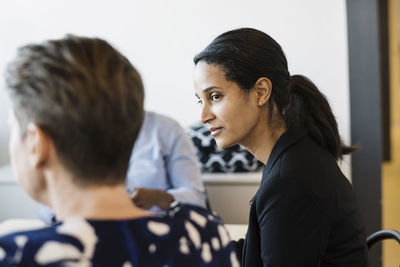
x=206 y=114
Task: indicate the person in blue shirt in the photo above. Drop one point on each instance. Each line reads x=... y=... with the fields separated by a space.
x=77 y=108
x=164 y=166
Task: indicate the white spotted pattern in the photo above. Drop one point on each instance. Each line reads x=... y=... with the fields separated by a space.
x=158 y=228
x=21 y=240
x=184 y=245
x=53 y=251
x=206 y=253
x=194 y=235
x=2 y=254
x=152 y=248
x=215 y=243
x=234 y=260
x=224 y=235
x=83 y=231
x=81 y=263
x=127 y=264
x=197 y=218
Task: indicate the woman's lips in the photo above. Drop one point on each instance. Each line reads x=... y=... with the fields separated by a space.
x=215 y=131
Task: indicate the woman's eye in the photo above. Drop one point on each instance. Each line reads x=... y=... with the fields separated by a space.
x=215 y=96
x=200 y=102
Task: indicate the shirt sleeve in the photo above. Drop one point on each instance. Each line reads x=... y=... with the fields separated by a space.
x=183 y=170
x=164 y=157
x=291 y=224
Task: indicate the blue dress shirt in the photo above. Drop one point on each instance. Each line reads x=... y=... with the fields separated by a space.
x=164 y=158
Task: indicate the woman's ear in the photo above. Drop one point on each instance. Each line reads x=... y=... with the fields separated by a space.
x=38 y=143
x=263 y=87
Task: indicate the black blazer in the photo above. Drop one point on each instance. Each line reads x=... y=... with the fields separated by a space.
x=304 y=212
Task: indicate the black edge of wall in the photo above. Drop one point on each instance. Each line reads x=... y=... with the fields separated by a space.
x=385 y=77
x=365 y=112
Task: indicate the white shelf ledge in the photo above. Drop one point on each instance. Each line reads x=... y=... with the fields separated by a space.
x=250 y=178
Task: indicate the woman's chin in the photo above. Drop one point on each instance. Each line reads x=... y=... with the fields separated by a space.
x=223 y=144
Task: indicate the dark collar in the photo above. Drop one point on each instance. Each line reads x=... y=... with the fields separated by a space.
x=287 y=139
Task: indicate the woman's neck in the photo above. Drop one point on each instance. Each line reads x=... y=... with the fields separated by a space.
x=262 y=140
x=91 y=202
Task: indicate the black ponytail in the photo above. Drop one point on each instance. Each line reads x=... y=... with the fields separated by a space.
x=246 y=54
x=309 y=109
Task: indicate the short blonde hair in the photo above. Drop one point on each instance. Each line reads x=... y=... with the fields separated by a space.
x=87 y=97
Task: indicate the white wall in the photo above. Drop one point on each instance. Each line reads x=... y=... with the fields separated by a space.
x=161 y=37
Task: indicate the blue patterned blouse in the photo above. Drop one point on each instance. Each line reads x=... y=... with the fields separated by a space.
x=187 y=236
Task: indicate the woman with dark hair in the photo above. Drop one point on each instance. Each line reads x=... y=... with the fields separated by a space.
x=304 y=212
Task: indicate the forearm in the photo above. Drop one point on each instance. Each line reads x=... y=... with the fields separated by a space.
x=164 y=200
x=147 y=198
x=189 y=196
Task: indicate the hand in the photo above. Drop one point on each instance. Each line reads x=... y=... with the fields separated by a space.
x=146 y=198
